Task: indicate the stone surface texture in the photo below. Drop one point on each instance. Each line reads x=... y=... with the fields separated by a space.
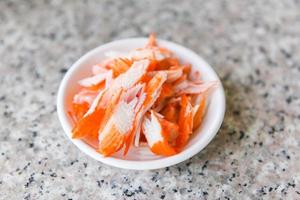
x=254 y=46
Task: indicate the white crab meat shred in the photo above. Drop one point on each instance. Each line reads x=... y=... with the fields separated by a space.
x=132 y=75
x=152 y=129
x=84 y=96
x=132 y=92
x=189 y=87
x=122 y=119
x=98 y=69
x=173 y=75
x=147 y=54
x=93 y=80
x=95 y=103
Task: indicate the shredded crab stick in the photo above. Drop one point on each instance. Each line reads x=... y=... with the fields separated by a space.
x=155 y=136
x=145 y=95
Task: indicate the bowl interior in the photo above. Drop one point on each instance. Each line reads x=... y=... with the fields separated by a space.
x=201 y=137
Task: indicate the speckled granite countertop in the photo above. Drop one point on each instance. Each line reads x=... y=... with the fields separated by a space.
x=253 y=46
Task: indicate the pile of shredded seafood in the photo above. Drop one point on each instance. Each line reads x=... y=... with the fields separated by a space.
x=144 y=96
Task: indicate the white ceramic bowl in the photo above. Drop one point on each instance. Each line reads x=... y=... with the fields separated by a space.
x=141 y=158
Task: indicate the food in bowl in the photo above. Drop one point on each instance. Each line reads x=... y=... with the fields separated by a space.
x=144 y=96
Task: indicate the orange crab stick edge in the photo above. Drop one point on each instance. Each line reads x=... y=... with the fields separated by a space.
x=155 y=137
x=117 y=128
x=185 y=122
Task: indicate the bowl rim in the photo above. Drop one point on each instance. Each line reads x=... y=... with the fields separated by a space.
x=131 y=164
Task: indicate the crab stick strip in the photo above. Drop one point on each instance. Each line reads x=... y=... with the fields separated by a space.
x=185 y=122
x=113 y=135
x=155 y=137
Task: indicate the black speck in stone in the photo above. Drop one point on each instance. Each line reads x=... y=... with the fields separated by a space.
x=286 y=87
x=34 y=133
x=259 y=160
x=31 y=145
x=113 y=186
x=26 y=166
x=236 y=60
x=19 y=139
x=2 y=98
x=270 y=189
x=85 y=165
x=72 y=162
x=167 y=169
x=63 y=70
x=272 y=130
x=205 y=165
x=27 y=197
x=285 y=53
x=298 y=192
x=262 y=49
x=292 y=184
x=265 y=95
x=98 y=183
x=289 y=100
x=271 y=62
x=257 y=72
x=53 y=175
x=205 y=193
x=236 y=112
x=52 y=36
x=260 y=82
x=242 y=134
x=283 y=170
x=128 y=193
x=140 y=189
x=30 y=180
x=179 y=169
x=261 y=144
x=262 y=191
x=6 y=114
x=188 y=164
x=175 y=190
x=162 y=196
